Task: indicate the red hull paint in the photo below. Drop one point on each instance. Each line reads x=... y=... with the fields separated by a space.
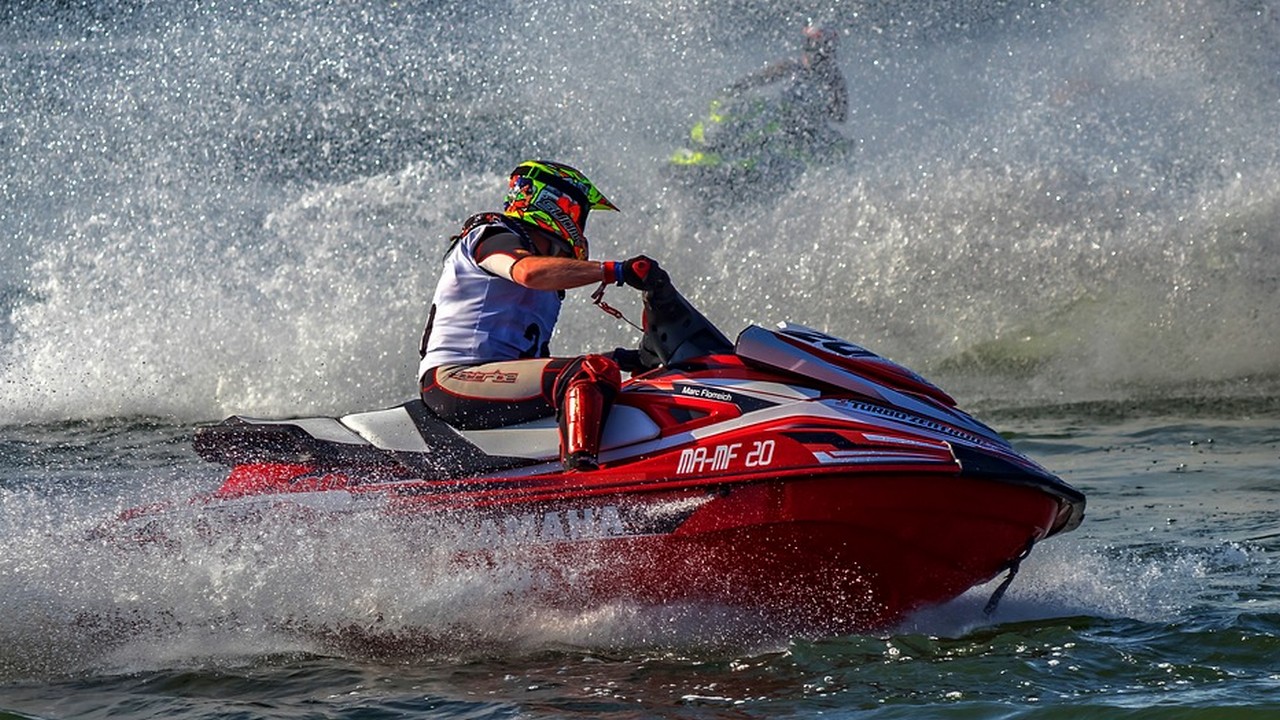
x=827 y=548
x=839 y=551
x=824 y=554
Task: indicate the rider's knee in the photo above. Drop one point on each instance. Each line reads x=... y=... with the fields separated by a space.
x=599 y=370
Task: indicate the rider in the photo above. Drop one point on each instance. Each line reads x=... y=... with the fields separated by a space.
x=809 y=95
x=486 y=360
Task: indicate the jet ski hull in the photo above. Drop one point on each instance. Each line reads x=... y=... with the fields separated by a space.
x=823 y=555
x=819 y=550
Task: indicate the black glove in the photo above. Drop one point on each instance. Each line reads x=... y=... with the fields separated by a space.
x=641 y=272
x=628 y=360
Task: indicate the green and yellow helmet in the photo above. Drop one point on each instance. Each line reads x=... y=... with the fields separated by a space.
x=556 y=198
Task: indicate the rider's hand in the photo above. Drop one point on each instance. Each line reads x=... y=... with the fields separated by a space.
x=637 y=270
x=628 y=360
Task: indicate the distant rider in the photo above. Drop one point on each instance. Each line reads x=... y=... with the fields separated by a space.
x=486 y=360
x=785 y=110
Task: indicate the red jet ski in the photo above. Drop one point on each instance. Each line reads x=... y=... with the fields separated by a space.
x=790 y=474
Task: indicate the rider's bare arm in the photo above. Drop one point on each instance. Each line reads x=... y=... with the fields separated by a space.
x=555 y=273
x=504 y=256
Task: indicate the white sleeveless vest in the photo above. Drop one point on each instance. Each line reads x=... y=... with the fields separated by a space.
x=477 y=317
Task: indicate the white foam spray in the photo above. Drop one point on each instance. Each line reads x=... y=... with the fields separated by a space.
x=220 y=210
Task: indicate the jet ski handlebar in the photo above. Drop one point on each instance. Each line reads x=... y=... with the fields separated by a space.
x=674 y=330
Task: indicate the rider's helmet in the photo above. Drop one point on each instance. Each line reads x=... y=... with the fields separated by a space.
x=556 y=198
x=820 y=41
